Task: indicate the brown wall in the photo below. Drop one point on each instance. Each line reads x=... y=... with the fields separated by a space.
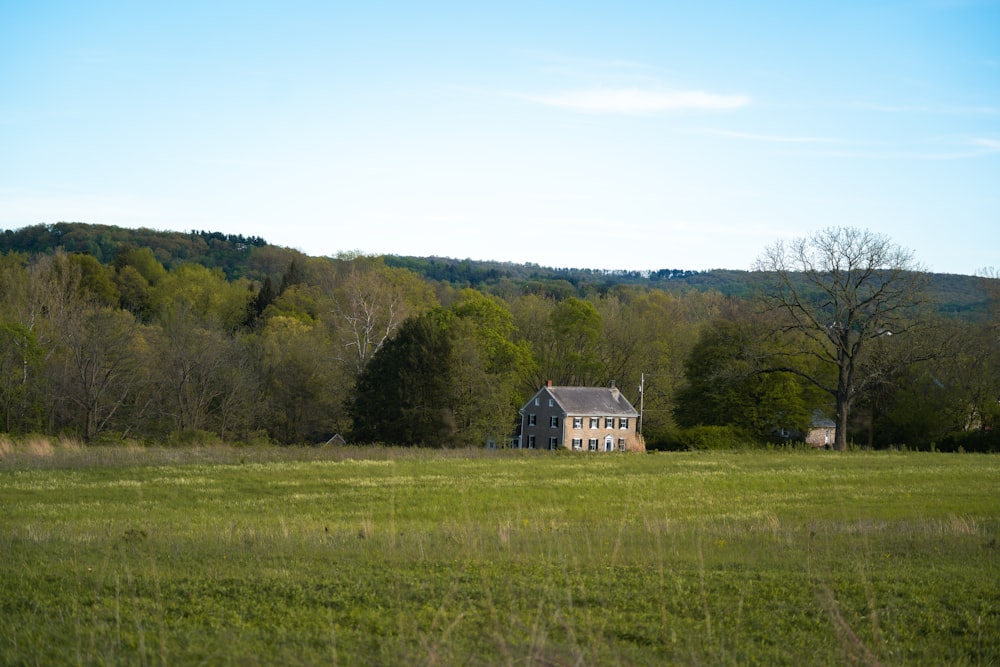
x=585 y=433
x=820 y=437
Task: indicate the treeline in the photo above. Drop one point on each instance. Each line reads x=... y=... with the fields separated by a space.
x=496 y=276
x=158 y=342
x=953 y=295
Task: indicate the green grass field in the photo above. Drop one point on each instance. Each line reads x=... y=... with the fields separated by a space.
x=326 y=556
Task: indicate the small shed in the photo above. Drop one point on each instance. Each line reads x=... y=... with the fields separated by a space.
x=821 y=431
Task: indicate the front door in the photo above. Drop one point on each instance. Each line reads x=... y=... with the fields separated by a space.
x=609 y=444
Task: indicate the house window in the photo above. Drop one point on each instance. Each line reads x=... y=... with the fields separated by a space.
x=552 y=403
x=595 y=422
x=623 y=422
x=531 y=442
x=553 y=442
x=592 y=444
x=609 y=422
x=532 y=420
x=538 y=401
x=621 y=444
x=554 y=422
x=577 y=443
x=577 y=422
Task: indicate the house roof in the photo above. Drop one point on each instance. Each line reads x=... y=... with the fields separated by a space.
x=590 y=401
x=819 y=420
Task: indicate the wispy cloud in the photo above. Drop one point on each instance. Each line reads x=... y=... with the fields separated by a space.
x=638 y=101
x=949 y=110
x=766 y=138
x=911 y=155
x=992 y=145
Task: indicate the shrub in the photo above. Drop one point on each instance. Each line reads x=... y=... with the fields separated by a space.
x=712 y=438
x=970 y=441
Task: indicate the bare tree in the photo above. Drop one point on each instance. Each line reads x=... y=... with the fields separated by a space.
x=101 y=366
x=846 y=291
x=371 y=301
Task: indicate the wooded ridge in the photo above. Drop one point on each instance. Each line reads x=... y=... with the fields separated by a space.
x=952 y=294
x=109 y=333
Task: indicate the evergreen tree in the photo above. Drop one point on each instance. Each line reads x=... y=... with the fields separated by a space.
x=403 y=396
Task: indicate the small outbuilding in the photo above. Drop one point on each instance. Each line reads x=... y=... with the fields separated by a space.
x=821 y=431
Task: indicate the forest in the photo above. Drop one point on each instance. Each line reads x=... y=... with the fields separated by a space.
x=110 y=334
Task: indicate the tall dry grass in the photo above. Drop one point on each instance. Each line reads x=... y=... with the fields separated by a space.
x=37 y=445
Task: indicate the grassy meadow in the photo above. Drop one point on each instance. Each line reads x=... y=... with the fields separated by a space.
x=260 y=556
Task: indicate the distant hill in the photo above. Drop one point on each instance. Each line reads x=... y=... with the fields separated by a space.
x=954 y=295
x=228 y=252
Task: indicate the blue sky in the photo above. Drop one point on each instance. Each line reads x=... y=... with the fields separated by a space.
x=614 y=135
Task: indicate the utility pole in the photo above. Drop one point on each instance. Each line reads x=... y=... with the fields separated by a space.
x=642 y=387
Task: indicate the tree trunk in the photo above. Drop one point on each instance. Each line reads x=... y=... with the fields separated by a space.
x=844 y=400
x=840 y=436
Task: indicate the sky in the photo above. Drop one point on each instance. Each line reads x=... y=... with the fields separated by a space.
x=603 y=135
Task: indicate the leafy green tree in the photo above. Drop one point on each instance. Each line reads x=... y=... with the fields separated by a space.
x=956 y=391
x=136 y=270
x=21 y=365
x=298 y=378
x=14 y=289
x=133 y=289
x=96 y=283
x=142 y=260
x=489 y=368
x=575 y=329
x=303 y=302
x=724 y=388
x=566 y=342
x=668 y=326
x=202 y=293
